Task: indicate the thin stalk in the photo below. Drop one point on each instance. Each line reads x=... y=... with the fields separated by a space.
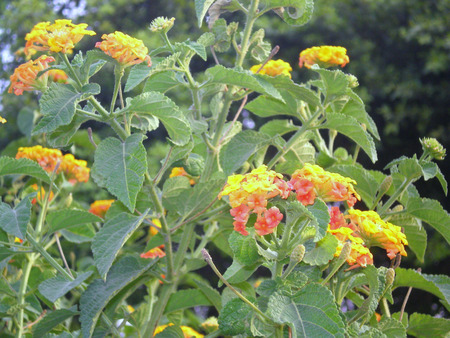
x=251 y=17
x=118 y=74
x=71 y=70
x=205 y=239
x=87 y=113
x=385 y=307
x=304 y=128
x=355 y=154
x=210 y=262
x=188 y=230
x=338 y=265
x=394 y=197
x=22 y=292
x=62 y=254
x=112 y=121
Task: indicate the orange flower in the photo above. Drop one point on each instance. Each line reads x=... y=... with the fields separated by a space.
x=41 y=194
x=249 y=194
x=312 y=181
x=324 y=56
x=155 y=252
x=74 y=170
x=100 y=207
x=58 y=37
x=187 y=331
x=57 y=75
x=25 y=76
x=157 y=223
x=126 y=50
x=274 y=68
x=179 y=171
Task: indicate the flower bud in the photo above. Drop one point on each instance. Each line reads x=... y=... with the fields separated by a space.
x=298 y=253
x=385 y=185
x=69 y=200
x=432 y=147
x=210 y=324
x=397 y=208
x=206 y=256
x=390 y=276
x=352 y=81
x=161 y=24
x=346 y=251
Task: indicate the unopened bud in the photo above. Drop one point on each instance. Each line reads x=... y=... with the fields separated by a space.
x=385 y=185
x=69 y=200
x=298 y=253
x=346 y=250
x=352 y=81
x=161 y=24
x=206 y=255
x=397 y=208
x=390 y=276
x=432 y=147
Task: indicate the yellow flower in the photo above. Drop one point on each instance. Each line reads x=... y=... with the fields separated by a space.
x=179 y=171
x=153 y=230
x=2 y=120
x=188 y=332
x=100 y=207
x=41 y=194
x=274 y=68
x=58 y=37
x=126 y=50
x=25 y=76
x=211 y=324
x=324 y=56
x=73 y=169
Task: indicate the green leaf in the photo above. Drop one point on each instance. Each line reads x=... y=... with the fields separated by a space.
x=110 y=239
x=6 y=253
x=311 y=312
x=22 y=166
x=65 y=218
x=192 y=47
x=323 y=252
x=57 y=104
x=264 y=106
x=438 y=285
x=56 y=287
x=160 y=106
x=185 y=299
x=99 y=293
x=25 y=121
x=415 y=233
x=173 y=189
x=235 y=317
x=14 y=221
x=201 y=7
x=278 y=127
x=367 y=185
x=79 y=233
x=237 y=272
x=242 y=78
x=300 y=153
x=51 y=320
x=422 y=325
x=212 y=294
x=431 y=212
x=62 y=136
x=244 y=248
x=334 y=82
x=120 y=167
x=391 y=327
x=348 y=126
x=321 y=218
x=302 y=13
x=240 y=148
x=162 y=82
x=410 y=168
x=95 y=60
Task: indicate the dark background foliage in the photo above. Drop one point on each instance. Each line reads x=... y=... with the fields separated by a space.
x=399 y=50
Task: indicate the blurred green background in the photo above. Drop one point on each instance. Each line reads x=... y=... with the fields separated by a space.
x=399 y=50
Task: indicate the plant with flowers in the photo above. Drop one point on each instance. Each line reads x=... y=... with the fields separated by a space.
x=306 y=230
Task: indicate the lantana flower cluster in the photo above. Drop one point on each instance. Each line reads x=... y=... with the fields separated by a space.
x=324 y=56
x=74 y=170
x=100 y=207
x=250 y=193
x=274 y=68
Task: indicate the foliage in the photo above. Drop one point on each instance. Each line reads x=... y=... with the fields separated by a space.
x=294 y=222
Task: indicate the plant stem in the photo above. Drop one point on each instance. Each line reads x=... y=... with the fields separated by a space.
x=385 y=307
x=22 y=291
x=394 y=196
x=118 y=74
x=112 y=121
x=188 y=230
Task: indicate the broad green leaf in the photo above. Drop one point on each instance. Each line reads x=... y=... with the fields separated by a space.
x=120 y=167
x=160 y=106
x=235 y=317
x=110 y=239
x=100 y=292
x=191 y=46
x=431 y=212
x=162 y=82
x=57 y=105
x=422 y=325
x=244 y=248
x=201 y=7
x=79 y=233
x=391 y=327
x=184 y=299
x=212 y=294
x=410 y=168
x=240 y=148
x=431 y=170
x=222 y=34
x=171 y=332
x=6 y=253
x=443 y=181
x=355 y=107
x=242 y=78
x=438 y=285
x=65 y=218
x=173 y=190
x=302 y=13
x=321 y=218
x=348 y=126
x=300 y=153
x=62 y=136
x=95 y=60
x=237 y=272
x=415 y=233
x=265 y=106
x=323 y=252
x=278 y=127
x=14 y=221
x=311 y=312
x=367 y=185
x=22 y=166
x=25 y=121
x=335 y=83
x=51 y=320
x=56 y=287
